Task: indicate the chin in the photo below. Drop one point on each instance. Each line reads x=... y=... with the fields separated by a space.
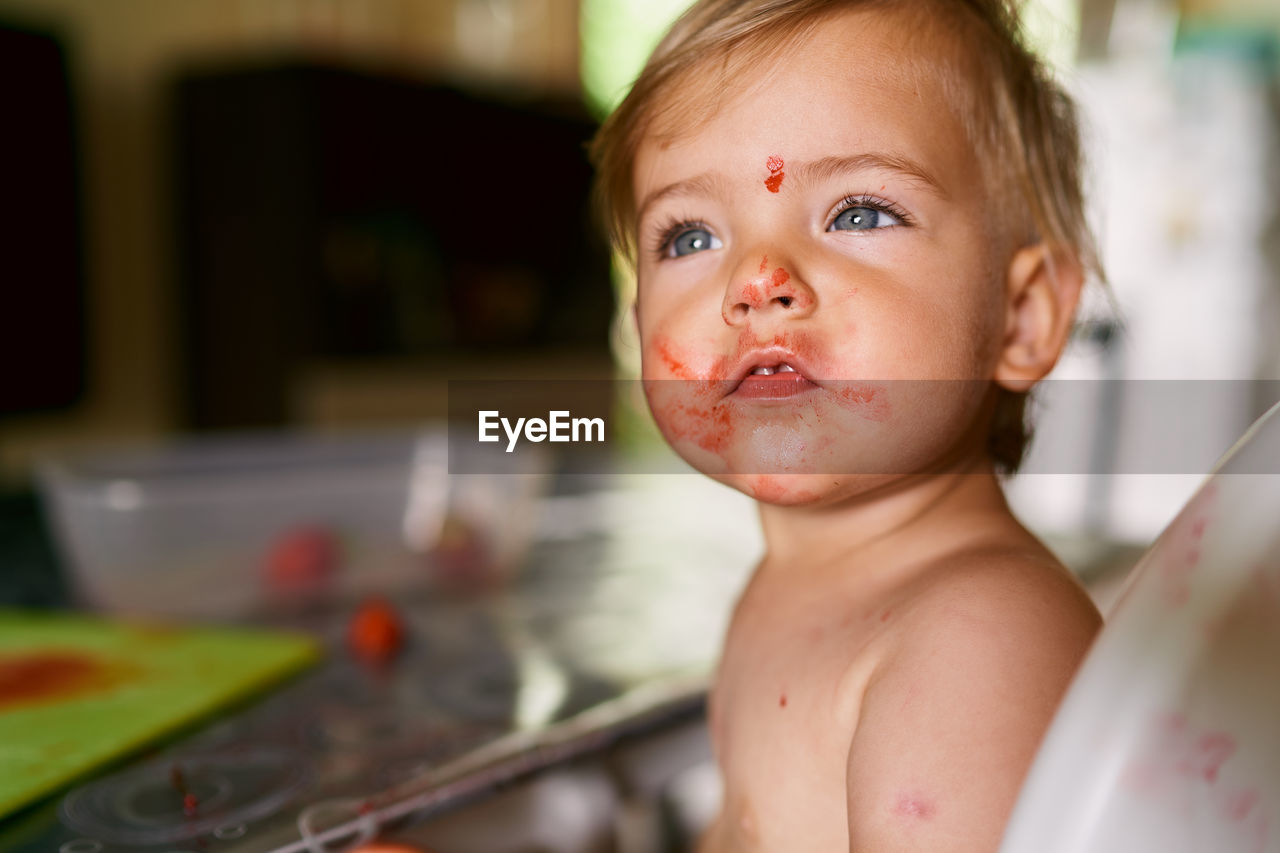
x=804 y=490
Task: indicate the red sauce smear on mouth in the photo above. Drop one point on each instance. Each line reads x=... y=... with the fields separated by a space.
x=695 y=411
x=774 y=181
x=49 y=676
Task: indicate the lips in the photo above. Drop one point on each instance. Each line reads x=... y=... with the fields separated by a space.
x=771 y=375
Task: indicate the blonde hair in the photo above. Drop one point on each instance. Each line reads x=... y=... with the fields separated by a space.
x=1021 y=124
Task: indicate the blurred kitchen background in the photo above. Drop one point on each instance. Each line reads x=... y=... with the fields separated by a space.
x=306 y=215
x=246 y=243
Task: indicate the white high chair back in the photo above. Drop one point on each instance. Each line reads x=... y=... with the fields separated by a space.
x=1169 y=737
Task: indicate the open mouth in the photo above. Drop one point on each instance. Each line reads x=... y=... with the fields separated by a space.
x=775 y=381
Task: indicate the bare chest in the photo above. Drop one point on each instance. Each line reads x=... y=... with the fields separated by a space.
x=783 y=712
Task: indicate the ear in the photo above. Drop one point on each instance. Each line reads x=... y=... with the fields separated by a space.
x=1043 y=288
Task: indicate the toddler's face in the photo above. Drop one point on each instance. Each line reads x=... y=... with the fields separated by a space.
x=825 y=235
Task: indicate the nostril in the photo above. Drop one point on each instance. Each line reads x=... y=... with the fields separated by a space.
x=785 y=301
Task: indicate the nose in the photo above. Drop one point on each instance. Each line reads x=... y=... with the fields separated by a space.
x=759 y=287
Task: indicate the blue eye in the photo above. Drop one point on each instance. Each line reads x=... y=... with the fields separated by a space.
x=863 y=218
x=691 y=240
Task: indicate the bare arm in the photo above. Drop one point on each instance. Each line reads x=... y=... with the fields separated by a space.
x=951 y=719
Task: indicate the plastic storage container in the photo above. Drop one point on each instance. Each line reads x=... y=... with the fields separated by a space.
x=217 y=528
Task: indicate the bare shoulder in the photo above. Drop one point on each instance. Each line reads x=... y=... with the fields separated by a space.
x=983 y=647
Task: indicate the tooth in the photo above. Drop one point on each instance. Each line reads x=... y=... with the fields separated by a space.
x=763 y=371
x=785 y=368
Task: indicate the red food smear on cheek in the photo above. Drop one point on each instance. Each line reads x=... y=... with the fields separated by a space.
x=39 y=677
x=688 y=412
x=866 y=400
x=674 y=363
x=774 y=181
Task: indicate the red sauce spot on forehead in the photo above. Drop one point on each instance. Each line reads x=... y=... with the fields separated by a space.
x=49 y=676
x=774 y=181
x=782 y=701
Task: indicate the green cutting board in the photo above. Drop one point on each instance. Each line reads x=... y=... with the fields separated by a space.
x=78 y=692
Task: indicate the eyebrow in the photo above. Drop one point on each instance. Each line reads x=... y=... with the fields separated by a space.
x=714 y=183
x=707 y=183
x=828 y=167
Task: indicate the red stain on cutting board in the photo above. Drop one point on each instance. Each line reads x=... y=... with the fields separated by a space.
x=39 y=677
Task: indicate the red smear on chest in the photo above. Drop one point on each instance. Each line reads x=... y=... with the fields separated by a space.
x=774 y=181
x=40 y=677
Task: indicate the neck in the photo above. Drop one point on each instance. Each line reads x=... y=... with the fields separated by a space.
x=910 y=505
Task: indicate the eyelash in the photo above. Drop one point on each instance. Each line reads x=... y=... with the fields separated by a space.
x=667 y=230
x=665 y=233
x=874 y=202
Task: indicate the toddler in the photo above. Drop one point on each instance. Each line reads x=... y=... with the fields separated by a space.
x=859 y=241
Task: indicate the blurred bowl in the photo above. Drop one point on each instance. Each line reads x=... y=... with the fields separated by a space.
x=222 y=527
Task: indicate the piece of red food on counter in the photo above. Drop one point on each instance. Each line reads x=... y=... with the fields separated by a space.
x=376 y=632
x=460 y=558
x=302 y=559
